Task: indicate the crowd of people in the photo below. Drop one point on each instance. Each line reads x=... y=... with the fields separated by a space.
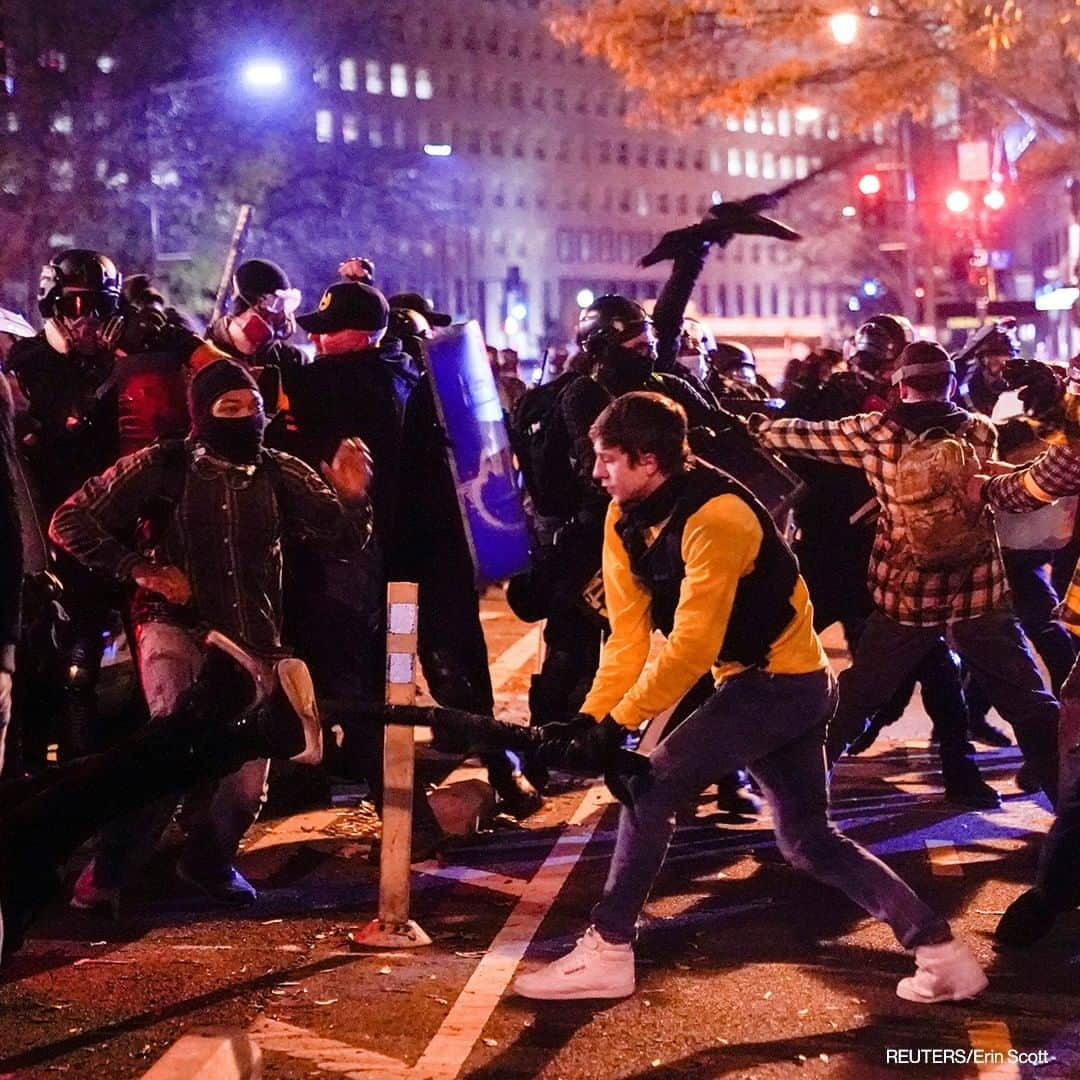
x=237 y=507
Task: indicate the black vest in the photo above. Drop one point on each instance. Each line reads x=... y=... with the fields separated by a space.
x=762 y=607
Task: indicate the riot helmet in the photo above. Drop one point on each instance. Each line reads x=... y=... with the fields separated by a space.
x=735 y=360
x=878 y=343
x=614 y=321
x=262 y=309
x=78 y=291
x=1000 y=339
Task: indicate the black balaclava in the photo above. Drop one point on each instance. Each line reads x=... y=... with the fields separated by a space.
x=237 y=440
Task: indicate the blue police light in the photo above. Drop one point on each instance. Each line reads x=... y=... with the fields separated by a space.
x=438 y=149
x=262 y=76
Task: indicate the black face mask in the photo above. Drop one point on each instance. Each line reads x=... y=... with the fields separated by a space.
x=237 y=440
x=623 y=370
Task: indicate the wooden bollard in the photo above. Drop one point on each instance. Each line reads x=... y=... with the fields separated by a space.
x=393 y=928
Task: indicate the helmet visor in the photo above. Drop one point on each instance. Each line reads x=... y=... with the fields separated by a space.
x=85 y=305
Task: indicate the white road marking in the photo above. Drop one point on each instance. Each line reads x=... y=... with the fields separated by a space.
x=510 y=661
x=994 y=1039
x=454 y=1041
x=459 y=1032
x=469 y=875
x=325 y=1054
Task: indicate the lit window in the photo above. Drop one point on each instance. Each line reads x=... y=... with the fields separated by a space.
x=833 y=130
x=716 y=160
x=787 y=167
x=751 y=163
x=399 y=80
x=62 y=124
x=783 y=122
x=750 y=123
x=350 y=128
x=374 y=133
x=802 y=166
x=732 y=123
x=424 y=89
x=399 y=133
x=643 y=204
x=12 y=122
x=321 y=76
x=768 y=165
x=324 y=126
x=106 y=64
x=347 y=74
x=734 y=162
x=373 y=83
x=62 y=176
x=879 y=133
x=767 y=126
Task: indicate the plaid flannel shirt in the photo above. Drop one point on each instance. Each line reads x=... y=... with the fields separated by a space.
x=1050 y=476
x=873 y=442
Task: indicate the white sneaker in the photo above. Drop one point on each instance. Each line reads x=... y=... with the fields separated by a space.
x=944 y=972
x=595 y=968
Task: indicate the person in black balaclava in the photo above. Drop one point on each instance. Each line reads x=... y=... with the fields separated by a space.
x=210 y=513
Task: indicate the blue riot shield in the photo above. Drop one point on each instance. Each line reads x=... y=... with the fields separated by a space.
x=469 y=409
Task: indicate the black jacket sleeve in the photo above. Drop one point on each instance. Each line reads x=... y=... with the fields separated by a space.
x=671 y=305
x=11 y=553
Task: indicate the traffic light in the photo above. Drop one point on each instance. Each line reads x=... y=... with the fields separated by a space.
x=958 y=201
x=871 y=198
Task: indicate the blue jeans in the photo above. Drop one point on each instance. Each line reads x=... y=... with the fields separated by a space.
x=216 y=814
x=776 y=725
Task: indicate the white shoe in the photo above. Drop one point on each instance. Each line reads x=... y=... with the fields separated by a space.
x=944 y=972
x=294 y=678
x=595 y=968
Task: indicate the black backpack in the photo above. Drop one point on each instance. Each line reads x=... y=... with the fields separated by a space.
x=541 y=443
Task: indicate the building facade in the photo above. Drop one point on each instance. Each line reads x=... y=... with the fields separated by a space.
x=551 y=192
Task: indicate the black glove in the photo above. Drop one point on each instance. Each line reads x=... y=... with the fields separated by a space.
x=556 y=738
x=593 y=750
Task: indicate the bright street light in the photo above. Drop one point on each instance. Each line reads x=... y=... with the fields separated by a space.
x=958 y=201
x=438 y=149
x=870 y=183
x=585 y=297
x=263 y=75
x=844 y=27
x=807 y=114
x=848 y=211
x=994 y=199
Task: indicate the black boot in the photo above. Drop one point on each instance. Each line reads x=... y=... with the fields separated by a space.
x=965 y=786
x=1028 y=919
x=733 y=795
x=980 y=729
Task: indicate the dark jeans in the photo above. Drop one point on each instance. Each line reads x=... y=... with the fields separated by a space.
x=993 y=648
x=1059 y=865
x=1034 y=600
x=776 y=724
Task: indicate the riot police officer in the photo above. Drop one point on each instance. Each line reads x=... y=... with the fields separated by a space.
x=69 y=433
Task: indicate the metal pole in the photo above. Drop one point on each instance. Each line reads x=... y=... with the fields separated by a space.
x=910 y=305
x=393 y=928
x=236 y=245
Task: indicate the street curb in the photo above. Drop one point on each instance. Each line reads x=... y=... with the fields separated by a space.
x=209 y=1054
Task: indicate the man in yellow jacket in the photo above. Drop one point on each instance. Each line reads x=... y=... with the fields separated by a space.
x=690 y=552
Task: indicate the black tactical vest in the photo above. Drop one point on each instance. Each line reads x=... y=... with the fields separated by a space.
x=762 y=607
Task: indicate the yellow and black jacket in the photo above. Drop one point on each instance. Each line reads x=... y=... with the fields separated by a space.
x=701 y=561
